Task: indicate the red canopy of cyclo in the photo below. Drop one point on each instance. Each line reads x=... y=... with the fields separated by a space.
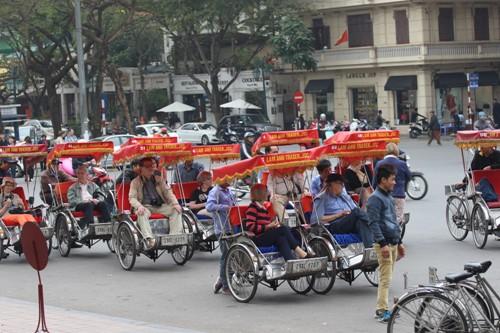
x=149 y=141
x=31 y=154
x=81 y=149
x=282 y=163
x=168 y=152
x=217 y=152
x=351 y=150
x=476 y=139
x=302 y=137
x=365 y=136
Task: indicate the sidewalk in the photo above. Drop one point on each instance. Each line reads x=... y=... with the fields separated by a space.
x=21 y=317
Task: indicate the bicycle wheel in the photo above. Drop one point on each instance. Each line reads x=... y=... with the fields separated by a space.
x=479 y=226
x=427 y=311
x=372 y=277
x=241 y=274
x=323 y=281
x=184 y=253
x=457 y=217
x=417 y=187
x=302 y=285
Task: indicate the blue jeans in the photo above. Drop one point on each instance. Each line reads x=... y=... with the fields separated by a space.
x=280 y=237
x=354 y=223
x=223 y=250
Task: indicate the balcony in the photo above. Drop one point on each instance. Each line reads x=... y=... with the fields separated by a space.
x=405 y=55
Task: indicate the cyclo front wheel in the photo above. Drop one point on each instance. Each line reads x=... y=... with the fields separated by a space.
x=323 y=281
x=457 y=217
x=427 y=311
x=241 y=274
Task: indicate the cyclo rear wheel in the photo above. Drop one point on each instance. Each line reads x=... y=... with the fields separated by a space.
x=479 y=224
x=183 y=253
x=372 y=277
x=427 y=311
x=63 y=236
x=323 y=282
x=457 y=217
x=302 y=285
x=241 y=273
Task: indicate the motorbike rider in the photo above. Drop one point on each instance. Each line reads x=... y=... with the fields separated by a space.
x=246 y=146
x=323 y=123
x=483 y=123
x=380 y=120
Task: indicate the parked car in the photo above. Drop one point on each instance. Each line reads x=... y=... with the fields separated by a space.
x=243 y=123
x=117 y=140
x=147 y=129
x=24 y=131
x=203 y=133
x=42 y=127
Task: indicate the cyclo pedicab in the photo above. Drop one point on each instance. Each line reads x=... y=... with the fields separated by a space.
x=69 y=233
x=203 y=226
x=10 y=229
x=246 y=264
x=370 y=136
x=349 y=258
x=129 y=240
x=466 y=209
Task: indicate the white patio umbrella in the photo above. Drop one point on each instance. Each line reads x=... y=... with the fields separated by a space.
x=176 y=107
x=239 y=104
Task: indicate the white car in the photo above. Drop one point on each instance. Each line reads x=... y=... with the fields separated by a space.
x=117 y=140
x=42 y=127
x=147 y=129
x=203 y=133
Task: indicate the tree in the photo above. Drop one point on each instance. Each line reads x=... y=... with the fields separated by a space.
x=214 y=34
x=38 y=30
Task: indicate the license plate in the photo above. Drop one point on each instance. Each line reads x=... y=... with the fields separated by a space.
x=172 y=240
x=102 y=230
x=310 y=265
x=292 y=221
x=373 y=256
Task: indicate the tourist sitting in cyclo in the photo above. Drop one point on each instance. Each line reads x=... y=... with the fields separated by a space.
x=149 y=194
x=324 y=168
x=83 y=197
x=188 y=171
x=284 y=188
x=335 y=208
x=486 y=158
x=198 y=200
x=267 y=230
x=358 y=177
x=129 y=174
x=12 y=206
x=50 y=177
x=220 y=200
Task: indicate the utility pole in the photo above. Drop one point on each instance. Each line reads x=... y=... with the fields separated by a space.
x=82 y=85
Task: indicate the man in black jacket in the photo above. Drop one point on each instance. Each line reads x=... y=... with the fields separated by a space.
x=435 y=129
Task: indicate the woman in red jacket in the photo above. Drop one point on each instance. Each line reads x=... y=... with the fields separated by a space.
x=268 y=231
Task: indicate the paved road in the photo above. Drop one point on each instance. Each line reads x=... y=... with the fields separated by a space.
x=166 y=294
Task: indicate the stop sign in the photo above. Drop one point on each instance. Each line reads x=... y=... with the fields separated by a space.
x=298 y=97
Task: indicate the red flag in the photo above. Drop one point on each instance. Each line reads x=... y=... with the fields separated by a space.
x=344 y=38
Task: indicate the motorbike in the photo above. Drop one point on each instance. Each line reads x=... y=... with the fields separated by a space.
x=417 y=187
x=228 y=136
x=420 y=127
x=359 y=125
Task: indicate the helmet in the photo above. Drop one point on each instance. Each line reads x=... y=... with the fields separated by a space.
x=249 y=135
x=163 y=130
x=482 y=115
x=322 y=116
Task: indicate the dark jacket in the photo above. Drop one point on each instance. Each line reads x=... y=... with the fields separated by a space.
x=496 y=113
x=352 y=180
x=403 y=175
x=382 y=218
x=434 y=124
x=480 y=161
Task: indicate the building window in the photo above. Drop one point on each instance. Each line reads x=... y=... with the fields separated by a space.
x=402 y=27
x=321 y=35
x=481 y=24
x=360 y=30
x=321 y=103
x=446 y=25
x=364 y=103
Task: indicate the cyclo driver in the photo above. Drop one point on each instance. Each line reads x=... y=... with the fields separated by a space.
x=149 y=194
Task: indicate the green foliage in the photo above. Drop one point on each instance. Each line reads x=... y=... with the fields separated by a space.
x=155 y=99
x=294 y=43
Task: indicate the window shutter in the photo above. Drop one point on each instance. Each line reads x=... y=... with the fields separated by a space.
x=481 y=24
x=446 y=25
x=402 y=27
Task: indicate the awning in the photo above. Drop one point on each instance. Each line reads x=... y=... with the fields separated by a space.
x=450 y=80
x=489 y=78
x=319 y=87
x=406 y=82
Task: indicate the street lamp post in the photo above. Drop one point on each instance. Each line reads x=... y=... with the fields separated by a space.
x=81 y=72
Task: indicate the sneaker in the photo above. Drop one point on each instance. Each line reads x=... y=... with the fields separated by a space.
x=217 y=286
x=385 y=317
x=378 y=314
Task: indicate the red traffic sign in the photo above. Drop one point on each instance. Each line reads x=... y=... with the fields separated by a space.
x=34 y=246
x=298 y=97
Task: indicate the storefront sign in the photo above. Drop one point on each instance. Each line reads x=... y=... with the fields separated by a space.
x=360 y=75
x=245 y=81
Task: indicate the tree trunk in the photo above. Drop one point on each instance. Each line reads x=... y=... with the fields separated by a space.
x=95 y=113
x=114 y=74
x=216 y=98
x=142 y=96
x=55 y=113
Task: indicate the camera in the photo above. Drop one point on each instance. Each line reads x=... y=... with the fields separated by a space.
x=156 y=202
x=9 y=196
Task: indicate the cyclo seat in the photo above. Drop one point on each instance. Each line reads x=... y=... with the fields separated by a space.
x=124 y=205
x=61 y=192
x=184 y=191
x=457 y=277
x=346 y=239
x=20 y=192
x=477 y=267
x=235 y=215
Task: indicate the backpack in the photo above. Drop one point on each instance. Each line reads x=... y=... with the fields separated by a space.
x=487 y=190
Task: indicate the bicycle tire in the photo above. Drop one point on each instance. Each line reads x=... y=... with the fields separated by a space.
x=424 y=302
